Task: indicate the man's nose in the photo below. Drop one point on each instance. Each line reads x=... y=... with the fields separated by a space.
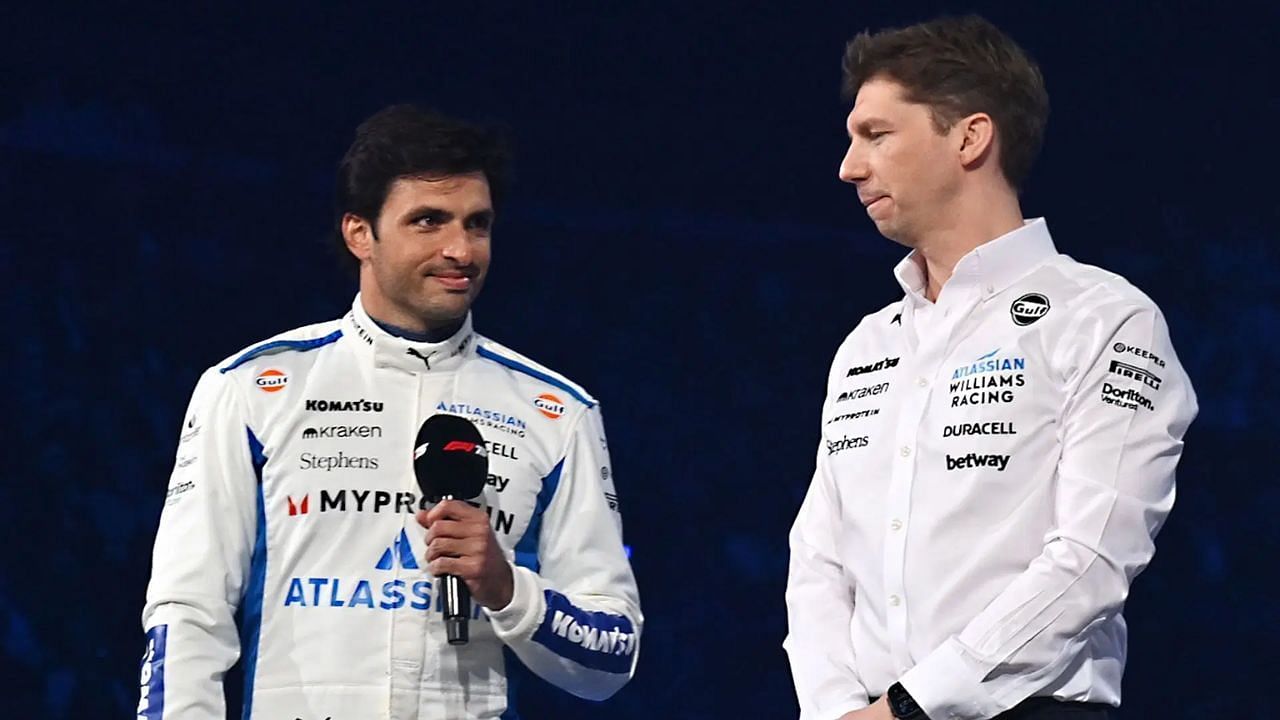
x=854 y=168
x=457 y=244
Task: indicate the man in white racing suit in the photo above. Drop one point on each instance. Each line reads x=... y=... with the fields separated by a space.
x=294 y=536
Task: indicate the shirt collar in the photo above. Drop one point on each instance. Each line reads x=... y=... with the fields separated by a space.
x=387 y=350
x=991 y=267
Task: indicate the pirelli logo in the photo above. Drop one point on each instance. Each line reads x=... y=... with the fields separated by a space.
x=1133 y=372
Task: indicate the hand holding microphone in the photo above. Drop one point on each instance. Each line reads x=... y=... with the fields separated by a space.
x=461 y=543
x=451 y=464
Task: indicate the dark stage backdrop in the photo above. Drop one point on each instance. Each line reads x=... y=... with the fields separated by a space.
x=676 y=241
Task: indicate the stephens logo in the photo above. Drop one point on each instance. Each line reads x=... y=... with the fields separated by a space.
x=271 y=380
x=549 y=405
x=341 y=461
x=1029 y=308
x=846 y=443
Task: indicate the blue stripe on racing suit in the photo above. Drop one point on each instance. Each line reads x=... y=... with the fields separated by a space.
x=595 y=640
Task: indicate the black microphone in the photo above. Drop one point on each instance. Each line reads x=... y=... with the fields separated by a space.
x=451 y=462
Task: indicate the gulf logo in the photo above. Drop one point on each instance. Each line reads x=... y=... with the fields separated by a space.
x=549 y=405
x=271 y=380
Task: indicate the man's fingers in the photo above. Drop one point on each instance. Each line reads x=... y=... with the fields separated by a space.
x=456 y=529
x=467 y=568
x=452 y=547
x=451 y=510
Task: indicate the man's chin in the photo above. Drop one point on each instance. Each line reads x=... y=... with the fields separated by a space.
x=891 y=231
x=442 y=311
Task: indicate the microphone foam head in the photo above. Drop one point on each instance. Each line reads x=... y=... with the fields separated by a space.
x=450 y=458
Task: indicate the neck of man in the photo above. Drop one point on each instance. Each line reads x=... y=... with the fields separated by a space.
x=970 y=221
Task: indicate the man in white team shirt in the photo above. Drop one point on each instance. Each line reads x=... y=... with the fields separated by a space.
x=998 y=448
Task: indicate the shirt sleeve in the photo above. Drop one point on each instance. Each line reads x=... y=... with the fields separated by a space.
x=820 y=602
x=1122 y=430
x=574 y=618
x=201 y=560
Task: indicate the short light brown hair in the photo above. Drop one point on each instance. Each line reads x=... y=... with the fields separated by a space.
x=957 y=67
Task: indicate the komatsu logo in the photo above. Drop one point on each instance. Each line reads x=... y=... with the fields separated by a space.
x=151 y=684
x=612 y=642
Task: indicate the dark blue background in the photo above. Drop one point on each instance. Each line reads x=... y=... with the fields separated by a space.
x=676 y=241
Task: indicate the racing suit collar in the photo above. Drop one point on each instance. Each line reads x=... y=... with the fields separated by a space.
x=386 y=350
x=990 y=268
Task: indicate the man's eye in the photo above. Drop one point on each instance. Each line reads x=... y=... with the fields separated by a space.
x=429 y=220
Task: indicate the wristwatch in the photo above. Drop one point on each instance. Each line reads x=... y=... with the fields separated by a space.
x=902 y=705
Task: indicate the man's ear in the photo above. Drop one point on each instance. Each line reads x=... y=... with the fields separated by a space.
x=976 y=134
x=359 y=236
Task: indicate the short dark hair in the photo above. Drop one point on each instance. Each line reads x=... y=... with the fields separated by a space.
x=407 y=141
x=960 y=66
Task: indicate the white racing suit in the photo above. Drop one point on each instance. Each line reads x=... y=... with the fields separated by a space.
x=288 y=538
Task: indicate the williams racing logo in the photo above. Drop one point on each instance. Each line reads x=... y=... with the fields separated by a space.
x=991 y=379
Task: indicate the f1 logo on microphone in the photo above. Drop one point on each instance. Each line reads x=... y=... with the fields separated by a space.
x=455 y=446
x=466 y=447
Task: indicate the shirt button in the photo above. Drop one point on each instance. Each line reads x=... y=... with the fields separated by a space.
x=894 y=600
x=905 y=451
x=896 y=524
x=922 y=382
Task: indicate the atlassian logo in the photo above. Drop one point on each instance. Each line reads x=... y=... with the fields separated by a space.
x=974 y=460
x=151 y=685
x=271 y=380
x=489 y=418
x=596 y=640
x=332 y=592
x=549 y=405
x=989 y=363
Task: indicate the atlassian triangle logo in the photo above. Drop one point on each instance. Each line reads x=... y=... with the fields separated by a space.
x=403 y=550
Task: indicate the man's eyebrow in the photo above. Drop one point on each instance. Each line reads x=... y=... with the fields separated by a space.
x=422 y=210
x=865 y=124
